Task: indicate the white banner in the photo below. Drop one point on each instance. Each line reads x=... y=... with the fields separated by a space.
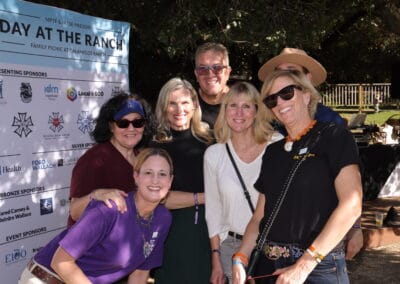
x=57 y=68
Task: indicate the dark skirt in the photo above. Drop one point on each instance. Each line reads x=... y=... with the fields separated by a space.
x=187 y=257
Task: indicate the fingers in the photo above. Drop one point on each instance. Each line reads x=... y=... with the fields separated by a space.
x=115 y=195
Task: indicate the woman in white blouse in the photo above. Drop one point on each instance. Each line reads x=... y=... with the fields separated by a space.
x=242 y=125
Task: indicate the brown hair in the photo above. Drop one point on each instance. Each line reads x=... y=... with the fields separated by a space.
x=149 y=152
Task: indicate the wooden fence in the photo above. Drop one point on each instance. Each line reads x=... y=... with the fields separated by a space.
x=359 y=95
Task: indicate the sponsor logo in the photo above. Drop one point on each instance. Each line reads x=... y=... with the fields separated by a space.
x=43 y=164
x=85 y=122
x=56 y=122
x=72 y=94
x=16 y=255
x=26 y=92
x=51 y=91
x=86 y=94
x=46 y=206
x=67 y=161
x=23 y=123
x=9 y=169
x=116 y=90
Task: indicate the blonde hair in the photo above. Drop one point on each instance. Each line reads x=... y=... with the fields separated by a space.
x=199 y=129
x=261 y=127
x=299 y=79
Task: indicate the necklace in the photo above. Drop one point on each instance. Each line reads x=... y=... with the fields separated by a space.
x=289 y=141
x=145 y=224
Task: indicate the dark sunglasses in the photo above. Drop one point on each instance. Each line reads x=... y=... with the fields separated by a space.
x=204 y=70
x=285 y=93
x=136 y=123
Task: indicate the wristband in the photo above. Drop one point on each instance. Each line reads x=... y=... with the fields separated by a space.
x=316 y=255
x=196 y=205
x=237 y=262
x=356 y=226
x=216 y=251
x=242 y=257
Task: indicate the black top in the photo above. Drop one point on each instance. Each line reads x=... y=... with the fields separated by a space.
x=209 y=112
x=187 y=156
x=311 y=197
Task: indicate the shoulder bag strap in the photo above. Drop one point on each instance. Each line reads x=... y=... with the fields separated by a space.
x=246 y=192
x=307 y=146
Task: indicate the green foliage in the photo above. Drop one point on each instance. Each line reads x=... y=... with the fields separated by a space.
x=353 y=39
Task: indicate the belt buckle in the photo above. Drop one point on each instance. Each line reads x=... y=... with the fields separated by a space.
x=274 y=252
x=31 y=265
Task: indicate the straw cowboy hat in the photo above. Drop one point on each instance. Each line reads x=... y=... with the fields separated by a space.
x=296 y=56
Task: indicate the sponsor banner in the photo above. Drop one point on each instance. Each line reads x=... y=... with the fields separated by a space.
x=57 y=68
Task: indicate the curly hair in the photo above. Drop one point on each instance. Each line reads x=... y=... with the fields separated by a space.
x=102 y=132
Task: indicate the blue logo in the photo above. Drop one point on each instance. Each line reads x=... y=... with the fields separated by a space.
x=15 y=256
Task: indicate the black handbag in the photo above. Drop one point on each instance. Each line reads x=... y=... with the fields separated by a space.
x=262 y=238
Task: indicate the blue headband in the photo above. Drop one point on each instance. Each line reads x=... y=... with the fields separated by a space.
x=130 y=106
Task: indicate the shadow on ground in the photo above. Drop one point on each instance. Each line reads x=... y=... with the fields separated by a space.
x=380 y=265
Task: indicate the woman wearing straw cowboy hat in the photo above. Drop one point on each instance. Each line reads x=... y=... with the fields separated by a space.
x=298 y=59
x=310 y=192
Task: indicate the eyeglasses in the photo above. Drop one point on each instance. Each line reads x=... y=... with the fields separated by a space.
x=285 y=93
x=204 y=70
x=136 y=123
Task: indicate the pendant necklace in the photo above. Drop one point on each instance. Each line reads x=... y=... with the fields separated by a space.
x=288 y=146
x=145 y=225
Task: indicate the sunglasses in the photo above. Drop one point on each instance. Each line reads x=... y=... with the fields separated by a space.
x=136 y=123
x=286 y=94
x=204 y=70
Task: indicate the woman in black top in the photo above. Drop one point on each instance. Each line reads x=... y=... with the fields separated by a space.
x=181 y=132
x=323 y=200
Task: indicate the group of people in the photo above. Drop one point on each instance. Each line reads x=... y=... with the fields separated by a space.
x=185 y=193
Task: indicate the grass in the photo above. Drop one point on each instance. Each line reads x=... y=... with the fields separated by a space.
x=372 y=117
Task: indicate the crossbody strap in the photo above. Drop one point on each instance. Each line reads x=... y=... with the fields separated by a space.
x=246 y=192
x=307 y=146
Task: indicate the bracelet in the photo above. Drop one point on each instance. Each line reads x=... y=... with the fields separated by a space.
x=237 y=262
x=242 y=257
x=356 y=226
x=313 y=256
x=196 y=205
x=316 y=255
x=216 y=250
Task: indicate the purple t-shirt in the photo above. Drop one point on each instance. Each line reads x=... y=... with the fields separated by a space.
x=108 y=245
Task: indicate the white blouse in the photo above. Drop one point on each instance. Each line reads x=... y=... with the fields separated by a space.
x=225 y=203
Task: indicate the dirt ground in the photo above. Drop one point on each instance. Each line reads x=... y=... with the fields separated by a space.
x=380 y=265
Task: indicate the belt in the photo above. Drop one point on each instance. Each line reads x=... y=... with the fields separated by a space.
x=274 y=251
x=235 y=235
x=42 y=274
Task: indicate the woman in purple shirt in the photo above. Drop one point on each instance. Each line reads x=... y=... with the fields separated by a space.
x=105 y=245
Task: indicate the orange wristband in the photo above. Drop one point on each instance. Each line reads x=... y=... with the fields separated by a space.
x=242 y=257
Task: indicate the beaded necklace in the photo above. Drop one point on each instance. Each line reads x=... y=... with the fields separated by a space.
x=289 y=141
x=145 y=224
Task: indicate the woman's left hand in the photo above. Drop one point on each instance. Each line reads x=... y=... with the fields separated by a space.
x=116 y=195
x=296 y=273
